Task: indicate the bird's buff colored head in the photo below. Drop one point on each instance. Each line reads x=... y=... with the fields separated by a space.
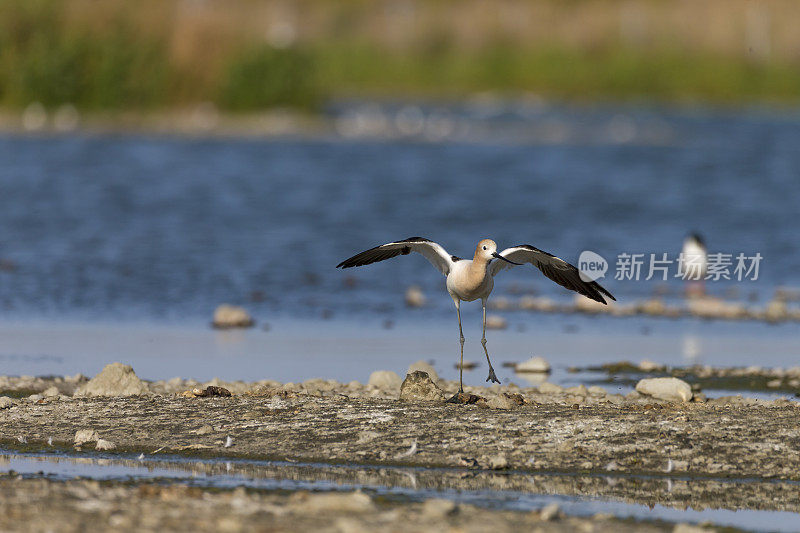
x=484 y=250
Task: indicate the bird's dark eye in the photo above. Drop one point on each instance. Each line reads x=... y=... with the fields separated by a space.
x=484 y=247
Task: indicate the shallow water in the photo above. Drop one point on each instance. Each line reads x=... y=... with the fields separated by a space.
x=119 y=247
x=492 y=490
x=296 y=350
x=148 y=227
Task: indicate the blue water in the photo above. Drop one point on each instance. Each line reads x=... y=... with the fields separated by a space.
x=148 y=227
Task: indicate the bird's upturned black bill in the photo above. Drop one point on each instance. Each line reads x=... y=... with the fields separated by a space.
x=495 y=254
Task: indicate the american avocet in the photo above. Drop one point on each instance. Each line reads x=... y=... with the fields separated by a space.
x=470 y=279
x=693 y=264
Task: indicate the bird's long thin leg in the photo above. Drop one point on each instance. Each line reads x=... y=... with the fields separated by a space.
x=492 y=377
x=461 y=339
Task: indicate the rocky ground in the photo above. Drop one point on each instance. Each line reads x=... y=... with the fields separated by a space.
x=547 y=428
x=725 y=452
x=43 y=505
x=699 y=439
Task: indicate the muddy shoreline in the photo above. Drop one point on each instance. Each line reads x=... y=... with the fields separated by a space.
x=80 y=505
x=754 y=441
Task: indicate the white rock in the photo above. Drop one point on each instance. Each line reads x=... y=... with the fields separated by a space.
x=650 y=366
x=115 y=379
x=496 y=322
x=670 y=389
x=414 y=297
x=6 y=402
x=424 y=367
x=50 y=392
x=585 y=305
x=534 y=364
x=385 y=379
x=231 y=316
x=103 y=444
x=776 y=310
x=82 y=436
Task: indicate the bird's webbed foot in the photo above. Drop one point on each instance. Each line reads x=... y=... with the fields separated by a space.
x=492 y=377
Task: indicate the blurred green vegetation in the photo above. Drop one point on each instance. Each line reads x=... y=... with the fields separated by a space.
x=42 y=60
x=616 y=73
x=264 y=76
x=116 y=65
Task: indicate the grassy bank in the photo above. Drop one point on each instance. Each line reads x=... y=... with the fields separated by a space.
x=53 y=53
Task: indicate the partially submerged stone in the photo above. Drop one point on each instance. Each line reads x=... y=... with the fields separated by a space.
x=496 y=322
x=585 y=305
x=650 y=366
x=231 y=316
x=419 y=386
x=414 y=296
x=670 y=389
x=116 y=379
x=535 y=364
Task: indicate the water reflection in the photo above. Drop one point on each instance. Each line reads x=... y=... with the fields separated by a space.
x=519 y=491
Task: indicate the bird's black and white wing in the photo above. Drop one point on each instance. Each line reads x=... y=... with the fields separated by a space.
x=554 y=268
x=432 y=251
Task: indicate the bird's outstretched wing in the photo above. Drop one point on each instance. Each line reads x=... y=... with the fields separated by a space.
x=554 y=268
x=432 y=251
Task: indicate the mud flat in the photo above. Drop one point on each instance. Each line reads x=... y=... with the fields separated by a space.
x=558 y=432
x=43 y=505
x=259 y=457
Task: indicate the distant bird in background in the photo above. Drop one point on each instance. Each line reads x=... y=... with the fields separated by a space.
x=470 y=279
x=694 y=263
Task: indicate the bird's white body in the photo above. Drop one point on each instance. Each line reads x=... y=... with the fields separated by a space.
x=472 y=279
x=468 y=283
x=694 y=264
